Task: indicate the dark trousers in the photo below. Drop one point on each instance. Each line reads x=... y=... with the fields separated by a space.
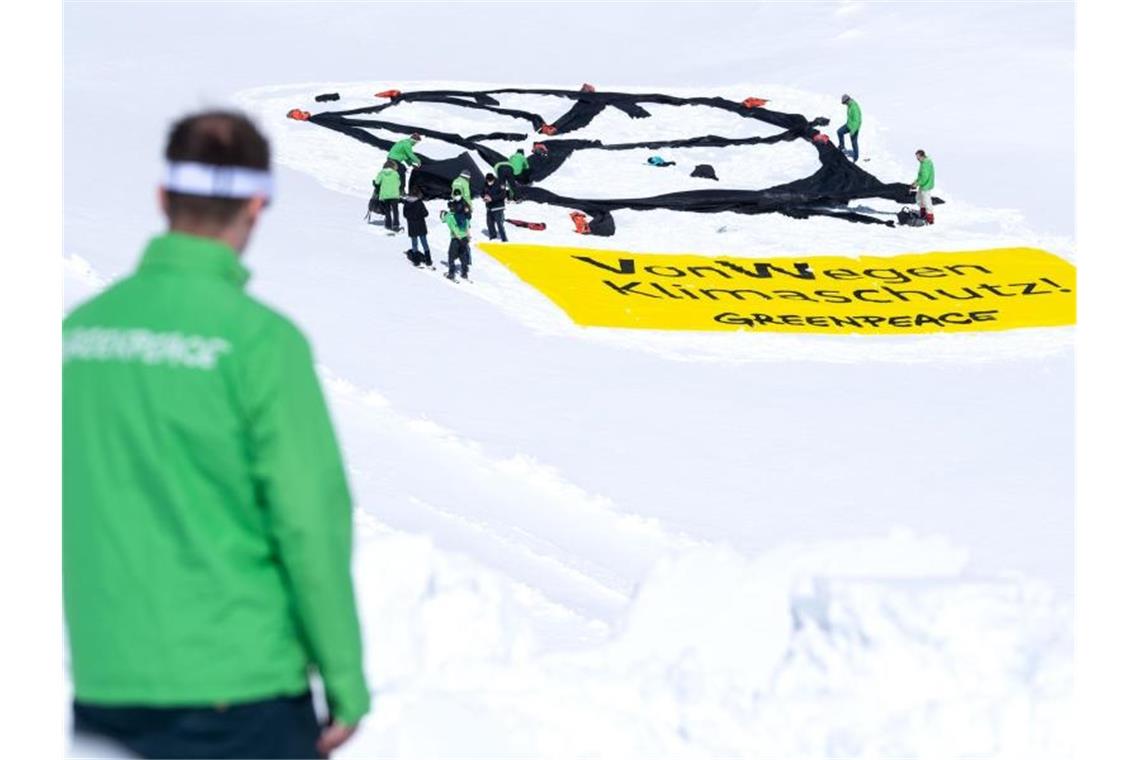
x=507 y=177
x=459 y=252
x=417 y=241
x=854 y=141
x=285 y=727
x=403 y=174
x=495 y=226
x=391 y=214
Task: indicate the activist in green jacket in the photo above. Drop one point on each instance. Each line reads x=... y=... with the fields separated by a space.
x=854 y=115
x=207 y=522
x=389 y=182
x=462 y=185
x=925 y=178
x=403 y=151
x=851 y=127
x=459 y=249
x=518 y=162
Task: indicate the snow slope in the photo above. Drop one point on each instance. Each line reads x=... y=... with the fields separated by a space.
x=580 y=542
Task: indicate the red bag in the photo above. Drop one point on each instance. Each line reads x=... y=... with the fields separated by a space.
x=820 y=137
x=581 y=224
x=754 y=103
x=529 y=225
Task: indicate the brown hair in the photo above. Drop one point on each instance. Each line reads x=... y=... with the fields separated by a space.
x=218 y=138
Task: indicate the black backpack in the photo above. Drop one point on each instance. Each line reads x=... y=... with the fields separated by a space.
x=910 y=217
x=706 y=171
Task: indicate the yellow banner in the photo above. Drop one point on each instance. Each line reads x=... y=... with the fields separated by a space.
x=952 y=291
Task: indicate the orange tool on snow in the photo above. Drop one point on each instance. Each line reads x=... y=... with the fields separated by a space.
x=298 y=114
x=754 y=103
x=388 y=94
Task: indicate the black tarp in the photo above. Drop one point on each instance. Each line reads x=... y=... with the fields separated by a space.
x=825 y=192
x=433 y=179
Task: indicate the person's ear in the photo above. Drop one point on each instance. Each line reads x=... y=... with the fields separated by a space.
x=254 y=206
x=164 y=202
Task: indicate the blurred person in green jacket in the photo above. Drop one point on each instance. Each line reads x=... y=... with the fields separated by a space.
x=207 y=527
x=923 y=184
x=852 y=126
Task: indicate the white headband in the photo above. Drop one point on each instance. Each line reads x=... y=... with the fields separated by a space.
x=217 y=181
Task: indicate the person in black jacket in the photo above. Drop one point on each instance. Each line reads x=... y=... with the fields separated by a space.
x=495 y=196
x=415 y=212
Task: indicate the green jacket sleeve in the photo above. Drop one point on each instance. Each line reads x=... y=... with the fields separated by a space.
x=303 y=489
x=453 y=226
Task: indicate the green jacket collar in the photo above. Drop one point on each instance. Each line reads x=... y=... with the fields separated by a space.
x=178 y=251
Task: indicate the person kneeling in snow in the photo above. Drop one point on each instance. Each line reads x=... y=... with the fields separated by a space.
x=388 y=180
x=459 y=252
x=416 y=213
x=495 y=196
x=513 y=171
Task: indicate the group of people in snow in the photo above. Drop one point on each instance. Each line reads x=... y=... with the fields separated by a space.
x=498 y=187
x=923 y=183
x=502 y=185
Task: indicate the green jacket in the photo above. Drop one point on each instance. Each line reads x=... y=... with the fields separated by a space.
x=518 y=163
x=463 y=186
x=207 y=524
x=458 y=231
x=389 y=182
x=925 y=178
x=854 y=116
x=404 y=150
